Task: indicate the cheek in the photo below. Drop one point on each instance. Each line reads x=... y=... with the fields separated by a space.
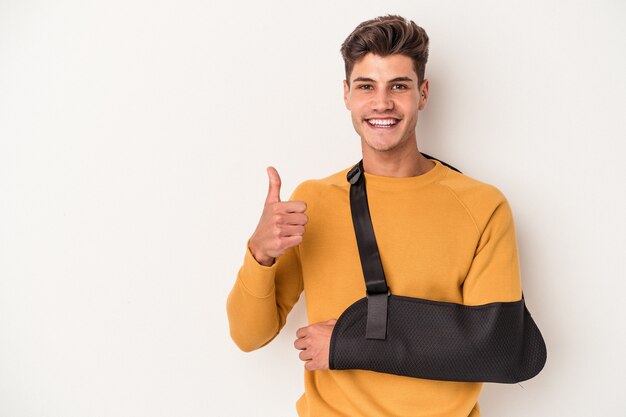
x=411 y=111
x=360 y=107
x=355 y=110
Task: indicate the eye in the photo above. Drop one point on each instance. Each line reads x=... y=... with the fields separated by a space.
x=399 y=87
x=364 y=87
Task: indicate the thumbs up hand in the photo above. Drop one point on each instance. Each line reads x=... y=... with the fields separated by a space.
x=281 y=226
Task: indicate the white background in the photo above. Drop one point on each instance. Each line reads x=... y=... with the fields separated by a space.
x=134 y=137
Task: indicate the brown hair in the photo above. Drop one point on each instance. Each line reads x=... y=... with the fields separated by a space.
x=383 y=36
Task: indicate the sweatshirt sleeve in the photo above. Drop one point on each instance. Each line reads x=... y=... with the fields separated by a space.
x=494 y=274
x=261 y=298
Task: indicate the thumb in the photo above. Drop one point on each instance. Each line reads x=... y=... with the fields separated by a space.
x=273 y=194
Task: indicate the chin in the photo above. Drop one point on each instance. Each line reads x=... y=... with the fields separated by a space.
x=382 y=146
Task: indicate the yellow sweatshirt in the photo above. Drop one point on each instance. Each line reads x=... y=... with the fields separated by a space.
x=442 y=236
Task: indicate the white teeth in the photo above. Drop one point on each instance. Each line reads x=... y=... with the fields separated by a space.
x=382 y=122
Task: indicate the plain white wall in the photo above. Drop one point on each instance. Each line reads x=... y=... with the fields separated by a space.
x=134 y=137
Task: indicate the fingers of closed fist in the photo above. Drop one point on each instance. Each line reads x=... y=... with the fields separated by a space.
x=295 y=218
x=314 y=341
x=300 y=344
x=290 y=218
x=305 y=355
x=287 y=226
x=288 y=230
x=290 y=241
x=295 y=206
x=281 y=225
x=280 y=244
x=302 y=332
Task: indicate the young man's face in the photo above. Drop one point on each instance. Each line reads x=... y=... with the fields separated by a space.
x=384 y=100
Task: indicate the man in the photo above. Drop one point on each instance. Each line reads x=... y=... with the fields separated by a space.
x=441 y=235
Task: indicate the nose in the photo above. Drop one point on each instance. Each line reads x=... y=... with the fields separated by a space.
x=382 y=101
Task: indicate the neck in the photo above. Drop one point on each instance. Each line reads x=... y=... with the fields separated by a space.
x=407 y=163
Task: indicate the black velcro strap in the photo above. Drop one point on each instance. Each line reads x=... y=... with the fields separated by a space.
x=442 y=162
x=377 y=290
x=377 y=316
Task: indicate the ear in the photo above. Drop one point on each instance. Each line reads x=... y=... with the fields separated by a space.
x=346 y=93
x=423 y=95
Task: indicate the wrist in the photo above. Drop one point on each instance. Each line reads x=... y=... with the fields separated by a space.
x=259 y=256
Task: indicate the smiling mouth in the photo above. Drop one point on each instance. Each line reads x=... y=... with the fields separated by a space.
x=382 y=123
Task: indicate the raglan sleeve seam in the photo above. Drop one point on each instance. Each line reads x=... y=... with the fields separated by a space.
x=494 y=274
x=466 y=209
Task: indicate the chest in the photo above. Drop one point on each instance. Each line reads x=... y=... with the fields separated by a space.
x=426 y=244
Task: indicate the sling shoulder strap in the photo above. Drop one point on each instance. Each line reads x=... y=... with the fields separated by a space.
x=373 y=273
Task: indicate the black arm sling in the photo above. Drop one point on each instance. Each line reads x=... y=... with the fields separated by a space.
x=383 y=332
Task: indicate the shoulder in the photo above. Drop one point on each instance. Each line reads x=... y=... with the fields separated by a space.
x=479 y=198
x=471 y=190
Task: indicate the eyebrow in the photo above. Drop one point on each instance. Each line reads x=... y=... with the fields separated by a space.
x=370 y=80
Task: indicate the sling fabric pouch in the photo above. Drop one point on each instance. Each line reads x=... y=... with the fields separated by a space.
x=414 y=337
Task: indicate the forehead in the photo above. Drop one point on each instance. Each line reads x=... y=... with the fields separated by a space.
x=383 y=67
